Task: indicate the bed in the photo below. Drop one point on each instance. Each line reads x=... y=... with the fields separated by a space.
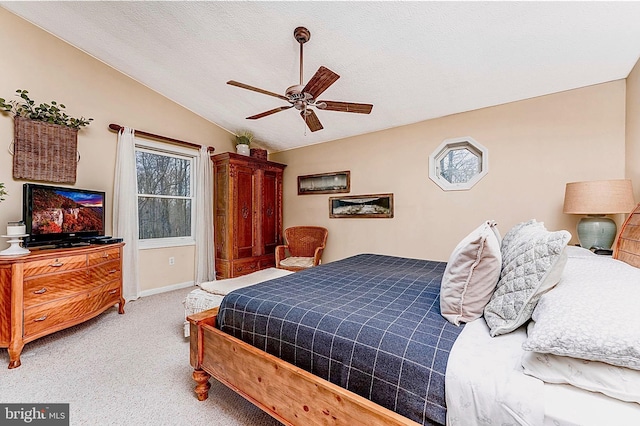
x=243 y=344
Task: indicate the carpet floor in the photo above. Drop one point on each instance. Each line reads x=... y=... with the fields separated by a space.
x=130 y=369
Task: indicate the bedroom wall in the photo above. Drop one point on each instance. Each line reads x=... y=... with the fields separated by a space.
x=53 y=70
x=633 y=129
x=535 y=147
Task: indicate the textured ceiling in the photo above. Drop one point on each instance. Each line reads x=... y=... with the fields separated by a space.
x=412 y=60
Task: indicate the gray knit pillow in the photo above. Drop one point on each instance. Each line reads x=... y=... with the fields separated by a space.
x=532 y=264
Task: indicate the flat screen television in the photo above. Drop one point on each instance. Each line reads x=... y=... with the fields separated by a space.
x=61 y=216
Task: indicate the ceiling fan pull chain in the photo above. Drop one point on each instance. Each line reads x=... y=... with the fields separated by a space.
x=305 y=123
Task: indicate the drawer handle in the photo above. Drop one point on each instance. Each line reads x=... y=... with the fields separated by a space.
x=56 y=264
x=105 y=255
x=241 y=268
x=113 y=291
x=113 y=271
x=42 y=318
x=41 y=291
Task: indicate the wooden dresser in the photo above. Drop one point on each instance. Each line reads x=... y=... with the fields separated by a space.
x=247 y=212
x=50 y=290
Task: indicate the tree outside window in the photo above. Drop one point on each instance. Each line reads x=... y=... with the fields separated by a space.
x=458 y=164
x=165 y=194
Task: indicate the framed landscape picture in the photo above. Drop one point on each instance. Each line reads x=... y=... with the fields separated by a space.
x=324 y=183
x=361 y=206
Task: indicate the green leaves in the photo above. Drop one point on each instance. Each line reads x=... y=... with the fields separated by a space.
x=50 y=113
x=244 y=137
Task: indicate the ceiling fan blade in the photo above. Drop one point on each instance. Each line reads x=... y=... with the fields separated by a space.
x=345 y=106
x=256 y=89
x=321 y=80
x=271 y=111
x=311 y=119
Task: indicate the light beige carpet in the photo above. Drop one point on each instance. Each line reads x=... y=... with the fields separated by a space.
x=130 y=369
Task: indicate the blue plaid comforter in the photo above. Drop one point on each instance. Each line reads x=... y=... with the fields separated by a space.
x=369 y=323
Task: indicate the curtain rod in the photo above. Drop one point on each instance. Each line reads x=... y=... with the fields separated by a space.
x=117 y=128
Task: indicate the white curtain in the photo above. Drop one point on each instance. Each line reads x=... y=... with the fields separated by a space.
x=125 y=211
x=205 y=254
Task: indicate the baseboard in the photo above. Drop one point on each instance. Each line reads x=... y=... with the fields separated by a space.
x=172 y=287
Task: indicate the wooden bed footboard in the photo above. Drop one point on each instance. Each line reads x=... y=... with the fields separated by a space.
x=289 y=394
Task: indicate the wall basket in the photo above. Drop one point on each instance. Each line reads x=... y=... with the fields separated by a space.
x=44 y=151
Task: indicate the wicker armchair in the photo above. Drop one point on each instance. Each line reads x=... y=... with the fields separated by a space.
x=304 y=246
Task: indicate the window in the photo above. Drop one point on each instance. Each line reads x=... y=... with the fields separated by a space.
x=458 y=164
x=166 y=198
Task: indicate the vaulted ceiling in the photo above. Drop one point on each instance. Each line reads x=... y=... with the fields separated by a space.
x=412 y=60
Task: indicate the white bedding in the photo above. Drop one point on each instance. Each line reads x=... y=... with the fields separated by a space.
x=223 y=287
x=485 y=384
x=211 y=293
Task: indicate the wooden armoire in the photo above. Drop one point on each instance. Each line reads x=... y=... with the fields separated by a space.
x=247 y=213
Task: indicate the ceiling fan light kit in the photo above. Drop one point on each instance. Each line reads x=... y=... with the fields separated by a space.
x=305 y=97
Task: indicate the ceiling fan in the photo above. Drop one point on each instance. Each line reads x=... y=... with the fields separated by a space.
x=303 y=97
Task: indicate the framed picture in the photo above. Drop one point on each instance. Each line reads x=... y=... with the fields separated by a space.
x=324 y=183
x=361 y=206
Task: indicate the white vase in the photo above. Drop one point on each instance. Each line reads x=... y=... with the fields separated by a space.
x=243 y=149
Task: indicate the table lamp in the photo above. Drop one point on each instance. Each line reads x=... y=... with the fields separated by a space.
x=597 y=199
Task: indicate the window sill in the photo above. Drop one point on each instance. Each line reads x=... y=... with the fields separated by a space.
x=165 y=243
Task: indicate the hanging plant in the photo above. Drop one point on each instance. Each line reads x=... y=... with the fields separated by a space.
x=52 y=112
x=45 y=139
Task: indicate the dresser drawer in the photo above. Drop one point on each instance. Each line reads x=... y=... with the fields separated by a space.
x=110 y=294
x=40 y=289
x=269 y=262
x=244 y=267
x=62 y=313
x=105 y=272
x=54 y=265
x=104 y=256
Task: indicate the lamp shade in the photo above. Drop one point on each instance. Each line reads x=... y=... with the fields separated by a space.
x=596 y=199
x=599 y=197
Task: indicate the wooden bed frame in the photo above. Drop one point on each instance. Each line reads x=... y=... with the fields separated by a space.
x=296 y=397
x=289 y=394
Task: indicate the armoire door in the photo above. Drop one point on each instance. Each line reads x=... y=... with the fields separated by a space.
x=270 y=212
x=244 y=216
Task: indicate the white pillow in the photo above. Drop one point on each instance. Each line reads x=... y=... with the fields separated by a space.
x=617 y=382
x=577 y=251
x=532 y=263
x=471 y=274
x=593 y=313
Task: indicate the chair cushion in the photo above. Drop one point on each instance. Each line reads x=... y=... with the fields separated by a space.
x=297 y=262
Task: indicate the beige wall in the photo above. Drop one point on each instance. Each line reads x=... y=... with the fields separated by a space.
x=633 y=129
x=52 y=70
x=535 y=147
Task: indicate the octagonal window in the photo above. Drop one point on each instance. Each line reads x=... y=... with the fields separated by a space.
x=458 y=164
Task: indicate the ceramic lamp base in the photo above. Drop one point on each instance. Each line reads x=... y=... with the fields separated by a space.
x=15 y=248
x=596 y=231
